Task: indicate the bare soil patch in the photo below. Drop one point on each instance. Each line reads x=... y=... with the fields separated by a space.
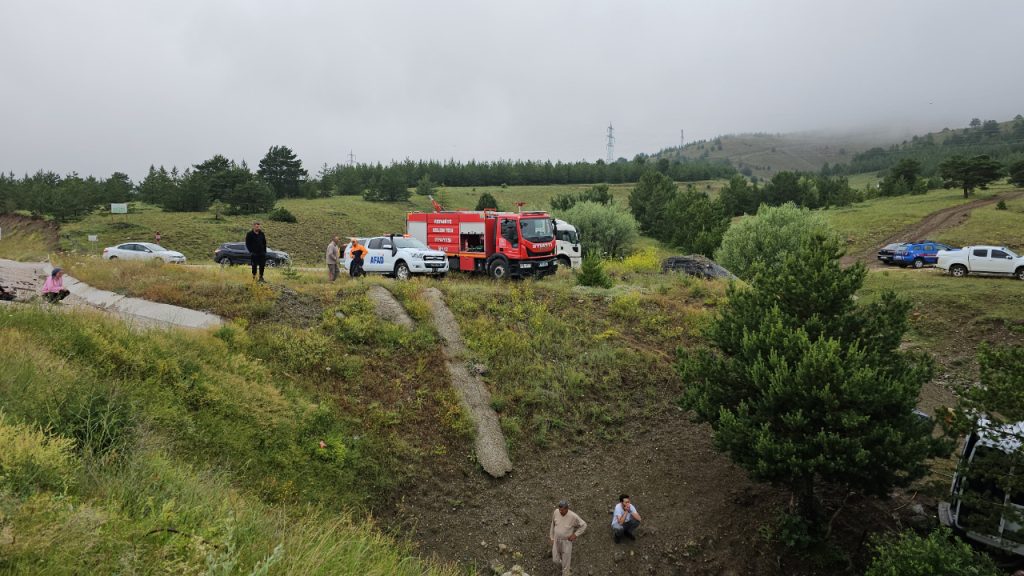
x=702 y=515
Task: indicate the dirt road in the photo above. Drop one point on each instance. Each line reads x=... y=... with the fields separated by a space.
x=927 y=227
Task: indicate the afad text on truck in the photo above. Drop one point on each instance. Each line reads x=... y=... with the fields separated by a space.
x=501 y=244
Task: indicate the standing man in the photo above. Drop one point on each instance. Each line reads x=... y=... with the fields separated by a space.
x=625 y=519
x=332 y=259
x=566 y=526
x=256 y=244
x=357 y=252
x=157 y=237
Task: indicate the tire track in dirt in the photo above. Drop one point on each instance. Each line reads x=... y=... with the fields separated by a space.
x=932 y=223
x=491 y=451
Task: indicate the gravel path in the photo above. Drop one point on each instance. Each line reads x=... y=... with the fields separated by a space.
x=491 y=452
x=388 y=308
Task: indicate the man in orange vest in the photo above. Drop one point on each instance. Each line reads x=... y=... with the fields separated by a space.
x=357 y=252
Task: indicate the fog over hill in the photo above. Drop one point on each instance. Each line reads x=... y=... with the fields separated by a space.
x=103 y=86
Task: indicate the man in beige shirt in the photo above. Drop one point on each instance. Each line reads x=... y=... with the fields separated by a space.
x=566 y=526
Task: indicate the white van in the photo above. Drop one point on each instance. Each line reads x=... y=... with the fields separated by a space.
x=567 y=248
x=987 y=497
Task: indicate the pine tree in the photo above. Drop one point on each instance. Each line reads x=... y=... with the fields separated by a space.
x=592 y=272
x=803 y=386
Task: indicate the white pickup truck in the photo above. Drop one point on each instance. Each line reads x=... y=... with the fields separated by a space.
x=997 y=260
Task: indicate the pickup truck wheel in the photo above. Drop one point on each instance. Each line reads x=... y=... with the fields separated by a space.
x=1019 y=273
x=918 y=263
x=498 y=269
x=402 y=271
x=958 y=271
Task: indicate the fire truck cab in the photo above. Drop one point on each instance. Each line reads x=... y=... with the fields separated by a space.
x=501 y=244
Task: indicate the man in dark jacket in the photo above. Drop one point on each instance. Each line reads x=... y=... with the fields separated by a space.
x=256 y=244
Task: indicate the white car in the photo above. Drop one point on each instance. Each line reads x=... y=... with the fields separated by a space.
x=399 y=256
x=143 y=251
x=996 y=260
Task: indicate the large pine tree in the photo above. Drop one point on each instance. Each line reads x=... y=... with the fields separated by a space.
x=803 y=386
x=283 y=171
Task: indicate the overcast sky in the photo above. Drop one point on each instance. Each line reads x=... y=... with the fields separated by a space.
x=97 y=86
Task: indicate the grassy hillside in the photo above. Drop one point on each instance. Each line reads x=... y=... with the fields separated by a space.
x=197 y=234
x=763 y=155
x=867 y=224
x=197 y=452
x=26 y=239
x=175 y=453
x=990 y=226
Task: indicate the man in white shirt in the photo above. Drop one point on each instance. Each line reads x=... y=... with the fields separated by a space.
x=625 y=519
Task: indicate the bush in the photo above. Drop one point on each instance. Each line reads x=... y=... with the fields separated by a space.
x=487 y=200
x=592 y=272
x=281 y=215
x=695 y=223
x=768 y=237
x=30 y=460
x=938 y=553
x=603 y=229
x=1001 y=205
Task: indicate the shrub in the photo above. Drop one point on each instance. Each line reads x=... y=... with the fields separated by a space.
x=425 y=187
x=938 y=553
x=592 y=272
x=487 y=200
x=281 y=215
x=695 y=223
x=31 y=460
x=1001 y=205
x=603 y=229
x=768 y=237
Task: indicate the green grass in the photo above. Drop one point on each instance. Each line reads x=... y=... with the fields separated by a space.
x=25 y=239
x=953 y=313
x=198 y=452
x=866 y=224
x=990 y=226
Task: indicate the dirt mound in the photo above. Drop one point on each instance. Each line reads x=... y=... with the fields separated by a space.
x=491 y=452
x=926 y=228
x=388 y=308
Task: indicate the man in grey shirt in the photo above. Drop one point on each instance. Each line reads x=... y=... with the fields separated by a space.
x=566 y=526
x=332 y=259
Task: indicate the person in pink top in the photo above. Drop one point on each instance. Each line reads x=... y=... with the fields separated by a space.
x=53 y=288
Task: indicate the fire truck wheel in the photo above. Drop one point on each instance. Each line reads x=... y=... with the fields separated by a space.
x=498 y=269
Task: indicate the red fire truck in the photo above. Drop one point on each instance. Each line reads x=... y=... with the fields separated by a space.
x=502 y=244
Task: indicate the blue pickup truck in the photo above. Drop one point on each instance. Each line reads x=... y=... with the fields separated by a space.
x=918 y=254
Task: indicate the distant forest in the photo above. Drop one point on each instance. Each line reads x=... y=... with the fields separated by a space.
x=1001 y=142
x=225 y=185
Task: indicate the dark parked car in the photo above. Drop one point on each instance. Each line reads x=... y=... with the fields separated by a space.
x=888 y=252
x=917 y=254
x=235 y=253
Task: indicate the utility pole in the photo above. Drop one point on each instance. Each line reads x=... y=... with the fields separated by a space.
x=351 y=158
x=611 y=144
x=682 y=140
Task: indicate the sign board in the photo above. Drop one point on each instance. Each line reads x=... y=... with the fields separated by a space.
x=93 y=238
x=118 y=208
